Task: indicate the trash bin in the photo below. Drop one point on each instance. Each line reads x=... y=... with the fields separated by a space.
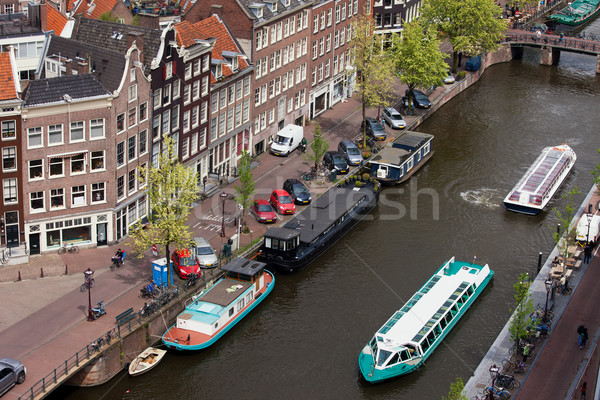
x=333 y=175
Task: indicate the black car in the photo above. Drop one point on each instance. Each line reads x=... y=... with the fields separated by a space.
x=419 y=99
x=374 y=128
x=334 y=160
x=297 y=191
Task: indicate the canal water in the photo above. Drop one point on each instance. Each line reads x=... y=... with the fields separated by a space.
x=303 y=341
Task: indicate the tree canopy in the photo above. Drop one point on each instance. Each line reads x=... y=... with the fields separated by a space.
x=172 y=188
x=472 y=26
x=318 y=148
x=521 y=320
x=245 y=190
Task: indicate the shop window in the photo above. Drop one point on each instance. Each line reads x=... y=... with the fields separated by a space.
x=77 y=164
x=78 y=195
x=56 y=167
x=98 y=160
x=36 y=201
x=98 y=192
x=36 y=169
x=57 y=198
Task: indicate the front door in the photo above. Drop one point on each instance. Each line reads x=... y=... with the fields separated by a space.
x=12 y=235
x=34 y=243
x=101 y=234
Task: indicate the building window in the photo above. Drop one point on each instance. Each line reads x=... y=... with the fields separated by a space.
x=204 y=85
x=98 y=160
x=176 y=87
x=196 y=90
x=188 y=70
x=36 y=201
x=246 y=111
x=203 y=111
x=187 y=94
x=213 y=128
x=57 y=198
x=156 y=98
x=156 y=127
x=98 y=193
x=9 y=130
x=36 y=169
x=185 y=148
x=222 y=124
x=205 y=62
x=120 y=153
x=34 y=137
x=132 y=179
x=143 y=142
x=77 y=129
x=56 y=167
x=131 y=148
x=121 y=122
x=78 y=196
x=166 y=97
x=132 y=92
x=175 y=118
x=197 y=67
x=55 y=134
x=96 y=128
x=214 y=102
x=165 y=121
x=143 y=175
x=9 y=159
x=194 y=120
x=121 y=187
x=230 y=119
x=143 y=112
x=202 y=141
x=77 y=164
x=10 y=190
x=329 y=17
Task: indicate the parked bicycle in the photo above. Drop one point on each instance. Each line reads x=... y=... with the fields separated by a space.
x=71 y=249
x=88 y=284
x=507 y=381
x=514 y=366
x=497 y=393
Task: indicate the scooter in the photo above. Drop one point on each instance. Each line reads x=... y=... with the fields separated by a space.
x=99 y=310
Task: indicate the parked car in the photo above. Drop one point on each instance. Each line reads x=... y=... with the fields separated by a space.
x=185 y=264
x=419 y=99
x=11 y=372
x=263 y=211
x=332 y=160
x=350 y=152
x=448 y=80
x=204 y=253
x=297 y=190
x=282 y=202
x=374 y=128
x=394 y=118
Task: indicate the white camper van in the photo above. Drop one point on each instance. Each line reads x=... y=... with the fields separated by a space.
x=287 y=140
x=588 y=229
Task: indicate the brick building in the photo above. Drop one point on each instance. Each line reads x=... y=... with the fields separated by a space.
x=390 y=15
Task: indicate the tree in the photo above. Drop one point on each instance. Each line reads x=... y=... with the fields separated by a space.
x=596 y=173
x=456 y=390
x=417 y=54
x=564 y=232
x=172 y=188
x=108 y=16
x=521 y=319
x=245 y=190
x=472 y=26
x=375 y=69
x=318 y=148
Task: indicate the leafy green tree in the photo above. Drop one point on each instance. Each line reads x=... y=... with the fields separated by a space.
x=472 y=26
x=318 y=148
x=172 y=188
x=245 y=190
x=596 y=173
x=417 y=54
x=521 y=320
x=565 y=233
x=108 y=16
x=374 y=67
x=456 y=390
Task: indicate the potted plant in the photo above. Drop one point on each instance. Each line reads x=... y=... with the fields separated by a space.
x=461 y=75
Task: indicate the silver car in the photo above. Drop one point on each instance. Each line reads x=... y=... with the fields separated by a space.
x=394 y=118
x=350 y=152
x=11 y=372
x=204 y=253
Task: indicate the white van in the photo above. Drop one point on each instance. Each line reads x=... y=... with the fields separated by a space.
x=287 y=140
x=588 y=229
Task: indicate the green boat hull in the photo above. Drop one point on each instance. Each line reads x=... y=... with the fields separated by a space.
x=579 y=12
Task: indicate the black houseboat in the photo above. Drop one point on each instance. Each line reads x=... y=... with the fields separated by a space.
x=315 y=229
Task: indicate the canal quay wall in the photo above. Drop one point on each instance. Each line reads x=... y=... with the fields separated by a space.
x=499 y=350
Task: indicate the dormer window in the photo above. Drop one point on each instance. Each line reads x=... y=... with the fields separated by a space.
x=231 y=58
x=272 y=4
x=257 y=9
x=217 y=68
x=286 y=3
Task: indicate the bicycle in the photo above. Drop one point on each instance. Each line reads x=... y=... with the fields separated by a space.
x=87 y=285
x=514 y=366
x=497 y=393
x=507 y=381
x=71 y=249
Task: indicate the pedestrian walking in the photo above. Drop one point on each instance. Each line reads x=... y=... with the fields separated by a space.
x=562 y=38
x=582 y=336
x=539 y=34
x=583 y=390
x=526 y=351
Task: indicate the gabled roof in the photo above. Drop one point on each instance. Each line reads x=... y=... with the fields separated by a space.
x=252 y=5
x=8 y=86
x=55 y=90
x=55 y=20
x=225 y=45
x=106 y=65
x=92 y=8
x=114 y=36
x=188 y=33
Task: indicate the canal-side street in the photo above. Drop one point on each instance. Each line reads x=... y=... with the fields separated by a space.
x=303 y=342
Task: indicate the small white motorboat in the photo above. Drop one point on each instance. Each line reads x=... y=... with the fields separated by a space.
x=146 y=361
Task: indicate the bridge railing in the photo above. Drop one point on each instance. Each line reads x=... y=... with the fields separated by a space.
x=555 y=41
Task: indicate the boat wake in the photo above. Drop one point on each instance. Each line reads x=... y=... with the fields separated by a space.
x=489 y=198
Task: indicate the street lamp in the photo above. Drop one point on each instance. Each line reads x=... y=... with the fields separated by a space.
x=239 y=225
x=223 y=198
x=589 y=219
x=548 y=284
x=88 y=281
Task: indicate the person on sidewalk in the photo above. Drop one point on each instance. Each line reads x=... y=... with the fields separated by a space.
x=582 y=336
x=587 y=253
x=526 y=351
x=583 y=390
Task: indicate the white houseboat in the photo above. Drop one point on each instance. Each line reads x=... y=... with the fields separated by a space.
x=543 y=178
x=411 y=335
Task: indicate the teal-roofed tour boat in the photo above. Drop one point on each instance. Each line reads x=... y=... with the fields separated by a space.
x=217 y=308
x=409 y=337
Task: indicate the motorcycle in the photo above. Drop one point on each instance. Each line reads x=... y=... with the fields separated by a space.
x=99 y=310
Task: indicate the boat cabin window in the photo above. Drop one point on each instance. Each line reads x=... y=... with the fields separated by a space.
x=431 y=337
x=426 y=148
x=437 y=330
x=231 y=311
x=240 y=305
x=454 y=310
x=249 y=297
x=460 y=302
x=449 y=317
x=443 y=323
x=394 y=360
x=382 y=356
x=405 y=355
x=470 y=290
x=425 y=344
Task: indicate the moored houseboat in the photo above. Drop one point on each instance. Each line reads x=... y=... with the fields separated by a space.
x=315 y=229
x=220 y=306
x=400 y=159
x=412 y=333
x=577 y=12
x=541 y=181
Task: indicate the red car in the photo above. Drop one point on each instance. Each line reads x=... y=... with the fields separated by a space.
x=282 y=202
x=263 y=211
x=185 y=264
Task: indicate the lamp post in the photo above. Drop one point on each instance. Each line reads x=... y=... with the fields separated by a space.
x=88 y=281
x=548 y=284
x=589 y=220
x=223 y=198
x=239 y=225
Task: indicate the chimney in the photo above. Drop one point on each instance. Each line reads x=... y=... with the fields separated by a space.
x=82 y=67
x=68 y=66
x=217 y=9
x=148 y=21
x=44 y=16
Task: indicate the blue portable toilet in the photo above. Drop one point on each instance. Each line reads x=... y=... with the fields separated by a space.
x=160 y=273
x=473 y=64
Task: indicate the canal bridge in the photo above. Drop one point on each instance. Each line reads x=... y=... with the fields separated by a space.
x=551 y=46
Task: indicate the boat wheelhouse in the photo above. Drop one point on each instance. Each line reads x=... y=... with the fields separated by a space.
x=541 y=181
x=218 y=307
x=577 y=12
x=399 y=160
x=315 y=229
x=412 y=333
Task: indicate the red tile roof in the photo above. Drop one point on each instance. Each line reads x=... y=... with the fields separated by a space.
x=92 y=8
x=55 y=21
x=214 y=27
x=8 y=90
